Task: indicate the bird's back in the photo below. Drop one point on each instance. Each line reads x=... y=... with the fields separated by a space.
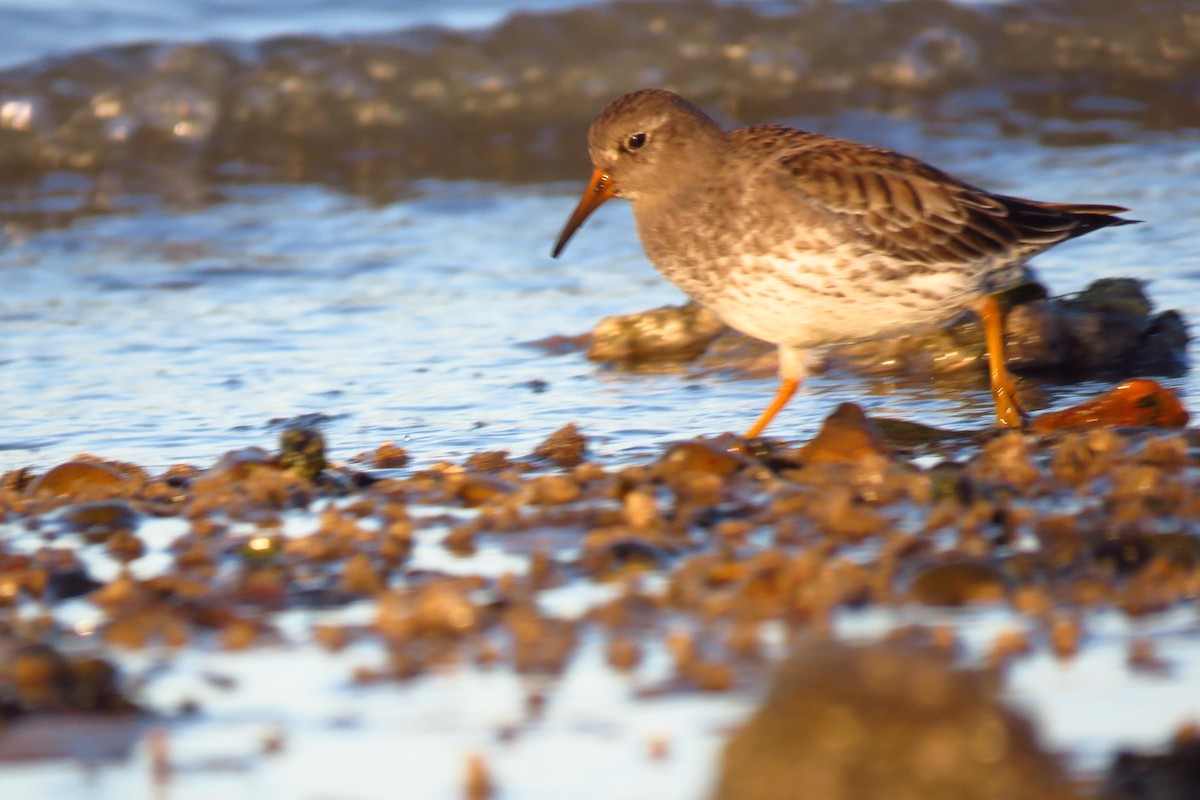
x=906 y=208
x=807 y=240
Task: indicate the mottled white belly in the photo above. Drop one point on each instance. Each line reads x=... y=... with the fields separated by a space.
x=830 y=298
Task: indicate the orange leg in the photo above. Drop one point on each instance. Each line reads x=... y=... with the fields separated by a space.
x=787 y=388
x=793 y=366
x=1009 y=413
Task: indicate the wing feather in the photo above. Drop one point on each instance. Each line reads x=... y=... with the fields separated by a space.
x=916 y=212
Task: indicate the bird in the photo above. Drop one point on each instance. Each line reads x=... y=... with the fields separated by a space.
x=806 y=241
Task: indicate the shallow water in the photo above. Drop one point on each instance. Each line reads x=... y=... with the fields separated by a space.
x=170 y=335
x=168 y=297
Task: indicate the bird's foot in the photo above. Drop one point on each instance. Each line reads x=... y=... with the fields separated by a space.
x=1009 y=413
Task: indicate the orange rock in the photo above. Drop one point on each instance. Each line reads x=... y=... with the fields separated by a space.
x=846 y=436
x=75 y=477
x=959 y=583
x=1135 y=403
x=698 y=455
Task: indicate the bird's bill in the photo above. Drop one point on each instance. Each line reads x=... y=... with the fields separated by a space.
x=599 y=189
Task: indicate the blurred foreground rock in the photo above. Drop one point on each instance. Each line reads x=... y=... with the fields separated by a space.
x=36 y=677
x=1171 y=775
x=885 y=723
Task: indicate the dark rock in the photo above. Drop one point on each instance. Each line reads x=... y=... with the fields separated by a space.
x=76 y=477
x=1173 y=775
x=698 y=456
x=846 y=436
x=99 y=520
x=958 y=583
x=302 y=449
x=1109 y=328
x=670 y=333
x=566 y=447
x=886 y=723
x=65 y=584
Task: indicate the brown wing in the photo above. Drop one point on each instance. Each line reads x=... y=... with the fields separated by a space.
x=919 y=213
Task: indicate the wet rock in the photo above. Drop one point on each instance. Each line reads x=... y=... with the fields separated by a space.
x=1108 y=328
x=552 y=490
x=906 y=434
x=359 y=576
x=95 y=686
x=670 y=333
x=1134 y=403
x=17 y=480
x=99 y=520
x=741 y=354
x=701 y=457
x=165 y=495
x=640 y=510
x=888 y=723
x=606 y=557
x=121 y=593
x=68 y=582
x=240 y=634
x=560 y=345
x=440 y=609
x=332 y=638
x=38 y=678
x=489 y=461
x=1122 y=553
x=566 y=447
x=1079 y=457
x=302 y=449
x=710 y=676
x=1170 y=775
x=461 y=540
x=1066 y=635
x=125 y=546
x=239 y=464
x=958 y=583
x=713 y=553
x=1177 y=548
x=540 y=644
x=77 y=479
x=476 y=490
x=846 y=436
x=623 y=653
x=1008 y=645
x=1006 y=461
x=1142 y=656
x=387 y=456
x=247 y=484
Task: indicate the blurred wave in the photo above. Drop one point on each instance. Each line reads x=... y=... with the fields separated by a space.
x=511 y=102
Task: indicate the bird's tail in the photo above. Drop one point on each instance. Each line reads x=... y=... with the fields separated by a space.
x=1091 y=216
x=1059 y=221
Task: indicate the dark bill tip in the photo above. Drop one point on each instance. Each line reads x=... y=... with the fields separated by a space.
x=599 y=189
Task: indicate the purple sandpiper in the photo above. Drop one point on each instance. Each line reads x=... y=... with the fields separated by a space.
x=804 y=240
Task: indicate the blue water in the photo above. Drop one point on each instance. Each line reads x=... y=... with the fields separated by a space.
x=39 y=28
x=168 y=335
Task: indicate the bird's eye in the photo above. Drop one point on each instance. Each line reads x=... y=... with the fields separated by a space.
x=635 y=141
